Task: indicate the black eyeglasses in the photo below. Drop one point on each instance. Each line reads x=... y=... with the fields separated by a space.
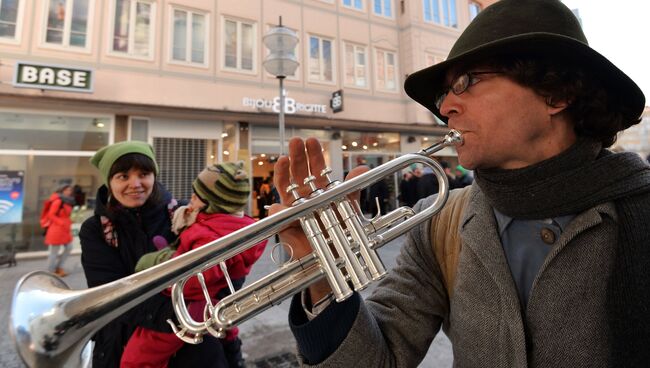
x=461 y=84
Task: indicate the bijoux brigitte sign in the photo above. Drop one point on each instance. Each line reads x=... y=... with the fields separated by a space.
x=57 y=77
x=291 y=106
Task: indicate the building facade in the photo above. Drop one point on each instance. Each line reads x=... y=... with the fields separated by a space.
x=187 y=77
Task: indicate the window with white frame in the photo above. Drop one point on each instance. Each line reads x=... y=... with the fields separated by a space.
x=320 y=59
x=474 y=9
x=354 y=4
x=386 y=70
x=432 y=59
x=355 y=65
x=133 y=27
x=10 y=19
x=239 y=45
x=67 y=22
x=189 y=36
x=383 y=8
x=441 y=12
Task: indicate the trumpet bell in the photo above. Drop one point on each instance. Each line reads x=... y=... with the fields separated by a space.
x=44 y=292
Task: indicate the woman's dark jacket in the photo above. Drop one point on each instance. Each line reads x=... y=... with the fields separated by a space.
x=103 y=263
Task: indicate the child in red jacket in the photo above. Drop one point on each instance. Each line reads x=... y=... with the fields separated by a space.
x=216 y=209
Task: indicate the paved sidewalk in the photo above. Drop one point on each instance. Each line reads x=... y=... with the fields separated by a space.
x=266 y=337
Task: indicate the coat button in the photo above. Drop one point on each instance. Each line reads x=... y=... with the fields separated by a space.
x=547 y=235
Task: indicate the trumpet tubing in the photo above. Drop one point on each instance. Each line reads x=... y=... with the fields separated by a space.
x=51 y=324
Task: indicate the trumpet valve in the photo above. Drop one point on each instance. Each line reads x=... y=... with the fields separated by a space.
x=293 y=189
x=326 y=173
x=310 y=180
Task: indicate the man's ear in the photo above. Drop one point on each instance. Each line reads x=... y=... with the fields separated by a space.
x=555 y=107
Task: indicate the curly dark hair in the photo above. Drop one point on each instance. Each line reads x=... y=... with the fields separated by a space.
x=595 y=110
x=135 y=161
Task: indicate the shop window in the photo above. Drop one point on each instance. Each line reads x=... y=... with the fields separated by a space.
x=49 y=151
x=386 y=70
x=23 y=131
x=320 y=59
x=11 y=20
x=189 y=37
x=369 y=142
x=43 y=174
x=67 y=23
x=383 y=8
x=229 y=139
x=239 y=45
x=355 y=65
x=133 y=27
x=441 y=12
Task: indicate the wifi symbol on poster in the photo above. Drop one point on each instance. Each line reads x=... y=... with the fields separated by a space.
x=5 y=206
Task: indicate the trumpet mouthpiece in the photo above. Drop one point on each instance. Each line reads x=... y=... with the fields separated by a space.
x=454 y=137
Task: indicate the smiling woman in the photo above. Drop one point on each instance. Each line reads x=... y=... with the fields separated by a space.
x=132 y=188
x=132 y=209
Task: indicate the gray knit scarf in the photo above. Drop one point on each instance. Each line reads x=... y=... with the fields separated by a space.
x=579 y=178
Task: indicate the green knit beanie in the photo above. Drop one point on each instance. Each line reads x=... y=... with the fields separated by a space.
x=106 y=156
x=223 y=187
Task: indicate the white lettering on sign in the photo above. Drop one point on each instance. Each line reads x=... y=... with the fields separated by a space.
x=46 y=76
x=30 y=74
x=291 y=106
x=63 y=78
x=79 y=79
x=52 y=77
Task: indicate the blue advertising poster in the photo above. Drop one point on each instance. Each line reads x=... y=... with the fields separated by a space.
x=11 y=196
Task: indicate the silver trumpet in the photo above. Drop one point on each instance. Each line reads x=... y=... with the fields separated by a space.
x=51 y=324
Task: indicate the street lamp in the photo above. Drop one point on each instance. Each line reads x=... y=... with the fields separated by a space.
x=280 y=62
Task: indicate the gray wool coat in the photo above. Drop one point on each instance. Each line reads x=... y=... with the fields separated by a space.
x=564 y=324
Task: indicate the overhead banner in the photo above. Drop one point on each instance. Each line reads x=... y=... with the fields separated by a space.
x=11 y=196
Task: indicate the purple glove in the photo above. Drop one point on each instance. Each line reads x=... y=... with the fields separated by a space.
x=160 y=242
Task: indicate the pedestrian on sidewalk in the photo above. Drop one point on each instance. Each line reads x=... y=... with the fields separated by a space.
x=220 y=193
x=58 y=225
x=543 y=260
x=132 y=209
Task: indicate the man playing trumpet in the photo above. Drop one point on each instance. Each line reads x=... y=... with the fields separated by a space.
x=552 y=263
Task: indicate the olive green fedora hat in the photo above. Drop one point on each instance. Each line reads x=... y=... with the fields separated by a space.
x=524 y=27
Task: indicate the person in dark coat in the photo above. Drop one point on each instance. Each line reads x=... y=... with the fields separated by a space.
x=463 y=177
x=380 y=191
x=427 y=183
x=408 y=189
x=132 y=208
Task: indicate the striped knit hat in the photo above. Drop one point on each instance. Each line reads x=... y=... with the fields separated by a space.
x=223 y=187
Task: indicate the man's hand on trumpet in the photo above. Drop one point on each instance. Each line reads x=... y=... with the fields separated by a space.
x=305 y=158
